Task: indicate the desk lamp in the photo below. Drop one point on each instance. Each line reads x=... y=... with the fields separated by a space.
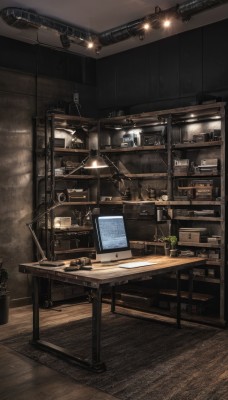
x=44 y=259
x=92 y=161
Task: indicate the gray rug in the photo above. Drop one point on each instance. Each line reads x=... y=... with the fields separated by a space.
x=145 y=360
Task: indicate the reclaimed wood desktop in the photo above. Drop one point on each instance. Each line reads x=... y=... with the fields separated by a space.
x=97 y=279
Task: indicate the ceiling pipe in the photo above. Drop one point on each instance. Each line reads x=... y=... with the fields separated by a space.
x=22 y=19
x=192 y=7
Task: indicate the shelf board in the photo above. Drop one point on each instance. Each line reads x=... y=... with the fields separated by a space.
x=62 y=150
x=146 y=243
x=148 y=175
x=161 y=314
x=77 y=203
x=68 y=177
x=75 y=118
x=202 y=175
x=74 y=229
x=206 y=279
x=134 y=149
x=207 y=219
x=111 y=202
x=77 y=250
x=188 y=203
x=193 y=244
x=215 y=263
x=196 y=145
x=185 y=295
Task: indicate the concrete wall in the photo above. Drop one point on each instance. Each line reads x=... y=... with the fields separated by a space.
x=29 y=84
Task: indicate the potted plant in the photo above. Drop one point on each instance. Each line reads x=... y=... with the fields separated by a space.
x=170 y=245
x=4 y=295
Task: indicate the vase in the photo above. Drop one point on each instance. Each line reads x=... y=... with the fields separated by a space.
x=173 y=253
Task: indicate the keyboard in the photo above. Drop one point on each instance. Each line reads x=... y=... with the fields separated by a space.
x=136 y=264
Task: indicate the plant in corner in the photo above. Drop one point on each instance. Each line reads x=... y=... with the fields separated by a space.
x=3 y=278
x=4 y=295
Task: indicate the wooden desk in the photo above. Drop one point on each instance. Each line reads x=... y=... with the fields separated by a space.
x=97 y=280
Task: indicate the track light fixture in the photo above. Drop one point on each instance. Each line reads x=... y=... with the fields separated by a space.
x=21 y=18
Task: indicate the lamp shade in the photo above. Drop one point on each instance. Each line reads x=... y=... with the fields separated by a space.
x=95 y=161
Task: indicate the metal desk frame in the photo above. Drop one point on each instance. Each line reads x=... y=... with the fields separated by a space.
x=96 y=280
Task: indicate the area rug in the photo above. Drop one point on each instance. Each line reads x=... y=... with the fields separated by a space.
x=145 y=360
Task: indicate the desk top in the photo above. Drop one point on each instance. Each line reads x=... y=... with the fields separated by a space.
x=112 y=274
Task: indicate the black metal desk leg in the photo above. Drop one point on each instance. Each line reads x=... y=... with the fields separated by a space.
x=190 y=290
x=96 y=331
x=36 y=319
x=113 y=299
x=178 y=301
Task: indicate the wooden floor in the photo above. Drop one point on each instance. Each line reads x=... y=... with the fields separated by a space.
x=22 y=378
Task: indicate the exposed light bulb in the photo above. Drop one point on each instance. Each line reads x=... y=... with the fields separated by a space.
x=90 y=45
x=146 y=26
x=167 y=23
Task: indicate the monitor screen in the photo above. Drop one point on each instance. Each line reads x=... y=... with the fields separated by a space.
x=111 y=239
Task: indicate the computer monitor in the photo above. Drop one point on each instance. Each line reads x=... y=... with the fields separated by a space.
x=111 y=241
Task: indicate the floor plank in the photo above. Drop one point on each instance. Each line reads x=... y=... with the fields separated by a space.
x=22 y=378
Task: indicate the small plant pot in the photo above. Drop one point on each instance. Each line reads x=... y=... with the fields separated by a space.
x=173 y=253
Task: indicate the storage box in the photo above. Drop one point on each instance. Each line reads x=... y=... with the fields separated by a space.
x=192 y=235
x=76 y=195
x=62 y=222
x=59 y=142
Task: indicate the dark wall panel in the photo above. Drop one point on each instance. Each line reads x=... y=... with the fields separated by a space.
x=191 y=63
x=58 y=63
x=17 y=55
x=132 y=77
x=215 y=56
x=106 y=82
x=153 y=80
x=169 y=68
x=177 y=71
x=47 y=61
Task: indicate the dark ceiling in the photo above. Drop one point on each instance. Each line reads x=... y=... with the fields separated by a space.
x=98 y=16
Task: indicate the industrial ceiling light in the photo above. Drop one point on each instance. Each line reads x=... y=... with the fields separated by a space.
x=65 y=41
x=167 y=23
x=146 y=26
x=90 y=45
x=21 y=18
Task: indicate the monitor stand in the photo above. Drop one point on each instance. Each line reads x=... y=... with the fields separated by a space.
x=114 y=256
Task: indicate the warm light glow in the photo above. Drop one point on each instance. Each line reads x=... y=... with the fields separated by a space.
x=90 y=45
x=146 y=26
x=167 y=23
x=95 y=165
x=192 y=115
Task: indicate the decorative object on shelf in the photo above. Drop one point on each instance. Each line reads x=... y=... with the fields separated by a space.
x=151 y=193
x=170 y=245
x=127 y=194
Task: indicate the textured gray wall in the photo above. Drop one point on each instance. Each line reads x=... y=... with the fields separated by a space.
x=17 y=105
x=22 y=96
